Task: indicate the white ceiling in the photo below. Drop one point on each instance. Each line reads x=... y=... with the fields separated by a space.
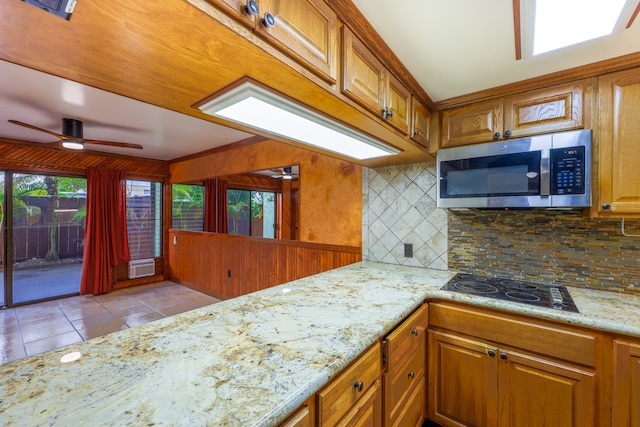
x=451 y=47
x=43 y=100
x=457 y=47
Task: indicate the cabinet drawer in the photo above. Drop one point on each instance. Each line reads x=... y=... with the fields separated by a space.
x=516 y=331
x=401 y=381
x=407 y=337
x=412 y=414
x=341 y=394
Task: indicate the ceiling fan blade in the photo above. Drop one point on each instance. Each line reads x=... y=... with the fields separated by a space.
x=27 y=125
x=113 y=143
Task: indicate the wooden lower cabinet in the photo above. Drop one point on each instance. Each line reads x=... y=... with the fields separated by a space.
x=303 y=417
x=404 y=380
x=353 y=398
x=473 y=383
x=626 y=383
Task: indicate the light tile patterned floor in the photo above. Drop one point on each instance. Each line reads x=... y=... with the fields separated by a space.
x=36 y=328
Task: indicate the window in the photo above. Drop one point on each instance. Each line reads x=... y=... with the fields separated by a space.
x=144 y=219
x=187 y=207
x=251 y=213
x=561 y=23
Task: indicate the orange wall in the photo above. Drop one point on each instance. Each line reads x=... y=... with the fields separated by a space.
x=330 y=189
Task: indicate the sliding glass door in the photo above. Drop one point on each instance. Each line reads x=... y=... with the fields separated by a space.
x=46 y=236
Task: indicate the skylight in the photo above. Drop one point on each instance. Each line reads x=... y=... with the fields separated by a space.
x=561 y=23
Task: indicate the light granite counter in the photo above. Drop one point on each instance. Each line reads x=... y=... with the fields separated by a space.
x=250 y=360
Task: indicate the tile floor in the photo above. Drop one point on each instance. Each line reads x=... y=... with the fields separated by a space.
x=36 y=328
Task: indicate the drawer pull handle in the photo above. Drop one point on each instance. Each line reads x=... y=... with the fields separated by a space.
x=358 y=385
x=414 y=332
x=411 y=375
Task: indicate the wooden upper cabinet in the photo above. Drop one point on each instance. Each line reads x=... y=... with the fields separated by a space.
x=470 y=124
x=617 y=153
x=306 y=30
x=366 y=81
x=236 y=8
x=398 y=104
x=363 y=76
x=553 y=109
x=420 y=119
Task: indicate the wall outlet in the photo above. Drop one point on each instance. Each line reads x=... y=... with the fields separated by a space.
x=408 y=250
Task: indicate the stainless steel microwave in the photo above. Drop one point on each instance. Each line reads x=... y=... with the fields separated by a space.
x=543 y=171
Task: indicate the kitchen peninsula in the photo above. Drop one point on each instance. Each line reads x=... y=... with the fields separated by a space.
x=254 y=359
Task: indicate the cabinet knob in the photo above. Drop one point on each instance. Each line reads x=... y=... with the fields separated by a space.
x=390 y=113
x=385 y=112
x=411 y=375
x=491 y=353
x=251 y=8
x=268 y=21
x=496 y=135
x=414 y=332
x=606 y=206
x=507 y=133
x=416 y=132
x=358 y=385
x=504 y=356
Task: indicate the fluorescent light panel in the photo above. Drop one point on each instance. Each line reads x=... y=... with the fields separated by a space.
x=259 y=108
x=561 y=23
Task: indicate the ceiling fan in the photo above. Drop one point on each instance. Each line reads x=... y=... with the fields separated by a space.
x=284 y=173
x=71 y=136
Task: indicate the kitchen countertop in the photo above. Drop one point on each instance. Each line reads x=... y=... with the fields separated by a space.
x=253 y=359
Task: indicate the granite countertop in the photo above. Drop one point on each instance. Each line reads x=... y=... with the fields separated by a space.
x=251 y=360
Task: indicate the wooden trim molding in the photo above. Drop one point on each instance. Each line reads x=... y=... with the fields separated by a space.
x=583 y=72
x=633 y=16
x=517 y=29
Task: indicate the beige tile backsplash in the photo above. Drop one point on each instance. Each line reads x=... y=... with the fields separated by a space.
x=399 y=206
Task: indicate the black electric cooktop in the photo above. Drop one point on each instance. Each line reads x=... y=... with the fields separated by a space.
x=552 y=296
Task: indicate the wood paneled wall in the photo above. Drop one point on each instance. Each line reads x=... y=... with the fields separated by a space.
x=41 y=158
x=226 y=266
x=330 y=204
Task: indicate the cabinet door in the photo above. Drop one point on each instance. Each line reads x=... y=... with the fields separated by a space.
x=554 y=109
x=462 y=381
x=626 y=384
x=420 y=117
x=471 y=124
x=363 y=76
x=398 y=104
x=367 y=412
x=236 y=9
x=306 y=30
x=617 y=145
x=558 y=394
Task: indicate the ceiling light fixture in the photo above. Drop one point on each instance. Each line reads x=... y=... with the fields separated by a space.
x=72 y=144
x=254 y=105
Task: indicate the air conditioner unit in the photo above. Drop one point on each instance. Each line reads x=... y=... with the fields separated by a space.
x=142 y=268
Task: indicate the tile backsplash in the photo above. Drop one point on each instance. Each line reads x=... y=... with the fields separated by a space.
x=564 y=247
x=398 y=207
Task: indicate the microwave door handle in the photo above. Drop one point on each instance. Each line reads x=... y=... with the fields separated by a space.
x=545 y=173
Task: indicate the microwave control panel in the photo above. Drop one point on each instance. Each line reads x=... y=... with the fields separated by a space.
x=567 y=170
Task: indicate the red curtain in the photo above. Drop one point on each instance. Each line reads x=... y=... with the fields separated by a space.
x=105 y=238
x=215 y=205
